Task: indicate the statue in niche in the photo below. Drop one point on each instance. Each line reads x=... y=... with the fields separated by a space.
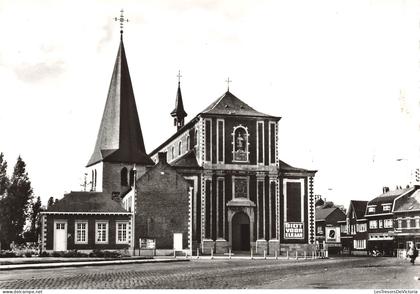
x=241 y=141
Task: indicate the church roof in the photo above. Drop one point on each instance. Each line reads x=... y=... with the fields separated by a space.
x=120 y=137
x=189 y=159
x=285 y=167
x=229 y=104
x=86 y=202
x=179 y=105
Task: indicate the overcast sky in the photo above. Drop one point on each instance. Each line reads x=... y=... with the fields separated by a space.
x=343 y=75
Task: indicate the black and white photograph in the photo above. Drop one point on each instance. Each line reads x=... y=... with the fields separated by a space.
x=263 y=145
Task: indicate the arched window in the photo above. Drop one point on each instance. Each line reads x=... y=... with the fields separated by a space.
x=132 y=177
x=240 y=144
x=92 y=180
x=124 y=176
x=179 y=148
x=188 y=144
x=172 y=152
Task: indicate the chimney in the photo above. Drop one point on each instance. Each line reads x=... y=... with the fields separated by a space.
x=162 y=157
x=385 y=189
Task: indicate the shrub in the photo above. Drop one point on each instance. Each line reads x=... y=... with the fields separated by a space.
x=112 y=254
x=28 y=254
x=6 y=254
x=96 y=253
x=58 y=254
x=44 y=254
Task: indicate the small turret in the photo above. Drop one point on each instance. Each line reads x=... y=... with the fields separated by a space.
x=179 y=113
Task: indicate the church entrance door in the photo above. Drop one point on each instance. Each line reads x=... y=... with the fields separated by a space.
x=240 y=232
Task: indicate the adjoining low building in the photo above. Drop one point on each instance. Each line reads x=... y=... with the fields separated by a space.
x=85 y=221
x=407 y=220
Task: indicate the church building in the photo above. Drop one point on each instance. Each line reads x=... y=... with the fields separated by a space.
x=216 y=184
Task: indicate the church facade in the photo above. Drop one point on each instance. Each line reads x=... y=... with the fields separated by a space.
x=243 y=195
x=226 y=187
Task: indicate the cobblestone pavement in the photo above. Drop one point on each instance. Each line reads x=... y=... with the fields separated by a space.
x=352 y=272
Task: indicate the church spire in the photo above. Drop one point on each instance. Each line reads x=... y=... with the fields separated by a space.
x=179 y=113
x=120 y=139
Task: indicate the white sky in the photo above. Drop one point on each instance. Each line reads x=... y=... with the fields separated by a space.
x=343 y=75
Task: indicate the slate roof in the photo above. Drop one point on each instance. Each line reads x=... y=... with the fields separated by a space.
x=189 y=159
x=323 y=213
x=411 y=202
x=283 y=166
x=359 y=207
x=120 y=137
x=86 y=202
x=388 y=197
x=179 y=105
x=229 y=104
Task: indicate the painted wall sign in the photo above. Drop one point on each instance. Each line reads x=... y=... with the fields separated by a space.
x=293 y=230
x=147 y=243
x=332 y=234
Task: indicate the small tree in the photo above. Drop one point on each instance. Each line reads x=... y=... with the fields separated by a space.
x=4 y=209
x=50 y=202
x=35 y=221
x=4 y=179
x=19 y=198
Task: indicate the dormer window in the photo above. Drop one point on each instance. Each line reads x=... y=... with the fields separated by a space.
x=386 y=207
x=371 y=209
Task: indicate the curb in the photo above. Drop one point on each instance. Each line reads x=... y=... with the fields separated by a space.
x=84 y=263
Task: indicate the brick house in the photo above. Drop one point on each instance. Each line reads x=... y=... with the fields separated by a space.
x=380 y=219
x=328 y=228
x=85 y=221
x=357 y=227
x=163 y=206
x=407 y=220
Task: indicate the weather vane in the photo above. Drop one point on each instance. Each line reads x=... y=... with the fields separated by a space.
x=228 y=81
x=121 y=19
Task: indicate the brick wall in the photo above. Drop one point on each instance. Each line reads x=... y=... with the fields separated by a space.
x=162 y=206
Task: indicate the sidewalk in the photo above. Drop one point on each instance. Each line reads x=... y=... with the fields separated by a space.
x=38 y=263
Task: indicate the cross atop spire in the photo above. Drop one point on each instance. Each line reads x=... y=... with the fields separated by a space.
x=228 y=81
x=121 y=19
x=179 y=77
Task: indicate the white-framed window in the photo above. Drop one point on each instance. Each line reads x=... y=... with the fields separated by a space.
x=359 y=244
x=319 y=230
x=400 y=223
x=81 y=232
x=380 y=224
x=417 y=222
x=386 y=207
x=122 y=232
x=362 y=227
x=388 y=223
x=371 y=209
x=353 y=229
x=101 y=232
x=408 y=223
x=373 y=224
x=343 y=228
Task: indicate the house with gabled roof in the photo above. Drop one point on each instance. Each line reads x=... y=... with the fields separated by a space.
x=328 y=228
x=407 y=220
x=357 y=227
x=380 y=219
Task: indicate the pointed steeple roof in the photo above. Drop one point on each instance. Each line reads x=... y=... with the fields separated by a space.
x=230 y=104
x=179 y=111
x=120 y=138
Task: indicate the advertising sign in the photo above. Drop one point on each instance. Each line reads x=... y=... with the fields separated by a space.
x=293 y=230
x=332 y=235
x=147 y=243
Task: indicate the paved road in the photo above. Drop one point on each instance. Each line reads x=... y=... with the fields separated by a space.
x=351 y=272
